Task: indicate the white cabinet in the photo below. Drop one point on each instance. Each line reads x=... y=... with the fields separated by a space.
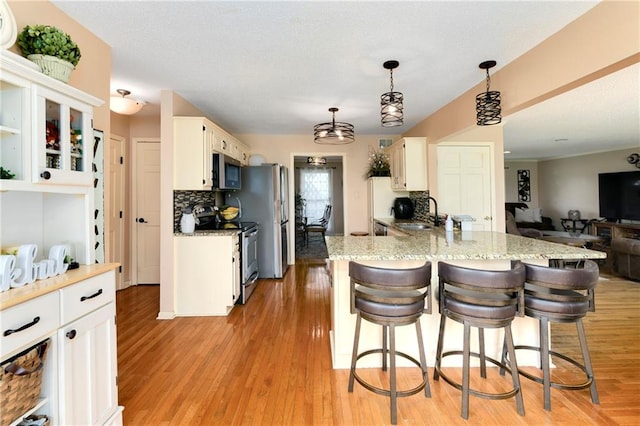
x=64 y=139
x=46 y=133
x=207 y=269
x=192 y=153
x=80 y=372
x=408 y=160
x=88 y=389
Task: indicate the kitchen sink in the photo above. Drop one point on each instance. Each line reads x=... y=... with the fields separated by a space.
x=414 y=226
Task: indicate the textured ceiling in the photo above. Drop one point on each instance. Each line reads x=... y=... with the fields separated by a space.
x=276 y=67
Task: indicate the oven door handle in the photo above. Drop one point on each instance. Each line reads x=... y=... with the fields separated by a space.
x=253 y=278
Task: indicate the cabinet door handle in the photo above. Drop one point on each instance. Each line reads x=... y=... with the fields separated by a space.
x=71 y=334
x=98 y=293
x=24 y=327
x=46 y=175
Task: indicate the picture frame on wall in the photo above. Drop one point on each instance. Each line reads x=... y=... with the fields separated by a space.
x=524 y=185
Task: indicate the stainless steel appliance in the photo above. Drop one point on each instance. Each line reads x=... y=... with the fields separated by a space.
x=264 y=200
x=226 y=172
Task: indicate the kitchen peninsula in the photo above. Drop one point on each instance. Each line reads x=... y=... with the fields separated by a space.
x=477 y=249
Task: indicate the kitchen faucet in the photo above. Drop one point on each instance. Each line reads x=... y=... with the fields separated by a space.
x=436 y=221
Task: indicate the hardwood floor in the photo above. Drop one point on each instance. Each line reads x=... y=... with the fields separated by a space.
x=269 y=363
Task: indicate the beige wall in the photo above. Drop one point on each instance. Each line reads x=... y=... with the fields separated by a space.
x=572 y=183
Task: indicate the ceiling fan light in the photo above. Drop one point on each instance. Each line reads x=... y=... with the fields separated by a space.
x=123 y=105
x=316 y=161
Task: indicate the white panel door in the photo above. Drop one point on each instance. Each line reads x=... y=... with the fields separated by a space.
x=147 y=205
x=465 y=185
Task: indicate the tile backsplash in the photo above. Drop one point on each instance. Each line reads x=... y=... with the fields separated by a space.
x=182 y=199
x=421 y=204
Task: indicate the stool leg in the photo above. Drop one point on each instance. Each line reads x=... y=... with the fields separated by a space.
x=385 y=351
x=436 y=375
x=354 y=355
x=544 y=362
x=504 y=354
x=514 y=369
x=465 y=370
x=392 y=361
x=423 y=360
x=483 y=360
x=587 y=361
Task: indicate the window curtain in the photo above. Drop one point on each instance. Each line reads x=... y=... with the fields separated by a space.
x=316 y=188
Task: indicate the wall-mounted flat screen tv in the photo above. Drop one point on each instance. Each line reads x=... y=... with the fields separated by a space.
x=619 y=195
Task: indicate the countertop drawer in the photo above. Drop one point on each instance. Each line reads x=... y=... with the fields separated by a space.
x=79 y=299
x=38 y=318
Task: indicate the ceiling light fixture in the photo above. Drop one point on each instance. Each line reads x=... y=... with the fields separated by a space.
x=391 y=103
x=334 y=132
x=122 y=105
x=316 y=161
x=488 y=108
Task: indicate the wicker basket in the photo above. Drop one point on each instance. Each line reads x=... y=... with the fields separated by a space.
x=53 y=67
x=21 y=381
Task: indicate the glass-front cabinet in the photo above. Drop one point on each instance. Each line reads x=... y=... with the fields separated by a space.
x=14 y=129
x=63 y=140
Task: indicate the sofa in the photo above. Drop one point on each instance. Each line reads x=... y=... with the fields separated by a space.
x=543 y=223
x=626 y=257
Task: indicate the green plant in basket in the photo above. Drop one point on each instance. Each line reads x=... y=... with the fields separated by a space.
x=48 y=40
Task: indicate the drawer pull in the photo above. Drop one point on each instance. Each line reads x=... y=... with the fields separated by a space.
x=83 y=298
x=24 y=327
x=71 y=334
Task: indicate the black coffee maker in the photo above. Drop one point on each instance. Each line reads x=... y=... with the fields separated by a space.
x=403 y=208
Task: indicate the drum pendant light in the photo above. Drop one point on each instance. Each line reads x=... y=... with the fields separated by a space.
x=488 y=109
x=391 y=103
x=334 y=132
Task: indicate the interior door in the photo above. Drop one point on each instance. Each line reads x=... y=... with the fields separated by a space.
x=146 y=200
x=465 y=184
x=115 y=206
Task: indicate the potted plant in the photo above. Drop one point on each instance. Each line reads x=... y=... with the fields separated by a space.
x=378 y=163
x=52 y=49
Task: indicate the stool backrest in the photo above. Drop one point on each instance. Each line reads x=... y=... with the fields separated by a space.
x=563 y=284
x=397 y=286
x=482 y=287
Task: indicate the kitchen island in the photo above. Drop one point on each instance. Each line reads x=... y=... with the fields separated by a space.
x=488 y=250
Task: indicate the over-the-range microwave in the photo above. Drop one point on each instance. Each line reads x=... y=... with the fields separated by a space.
x=226 y=172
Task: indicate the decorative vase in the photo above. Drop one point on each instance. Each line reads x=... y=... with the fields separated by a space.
x=53 y=67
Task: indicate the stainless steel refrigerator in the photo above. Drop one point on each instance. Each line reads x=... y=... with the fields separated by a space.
x=263 y=199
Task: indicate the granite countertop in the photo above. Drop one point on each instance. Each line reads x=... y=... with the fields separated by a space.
x=209 y=233
x=435 y=244
x=27 y=292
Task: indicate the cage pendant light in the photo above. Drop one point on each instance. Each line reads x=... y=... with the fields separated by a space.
x=391 y=103
x=334 y=132
x=488 y=109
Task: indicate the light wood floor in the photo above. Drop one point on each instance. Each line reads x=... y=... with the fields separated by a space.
x=269 y=363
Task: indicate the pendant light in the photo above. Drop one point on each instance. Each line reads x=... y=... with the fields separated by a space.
x=488 y=108
x=334 y=132
x=316 y=161
x=123 y=105
x=391 y=103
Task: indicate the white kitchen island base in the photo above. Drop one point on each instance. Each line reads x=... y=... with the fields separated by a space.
x=525 y=330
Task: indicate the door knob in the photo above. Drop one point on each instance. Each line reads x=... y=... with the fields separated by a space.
x=141 y=220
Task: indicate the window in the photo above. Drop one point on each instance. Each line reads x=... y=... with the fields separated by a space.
x=315 y=187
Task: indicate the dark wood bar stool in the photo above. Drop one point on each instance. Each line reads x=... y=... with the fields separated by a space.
x=563 y=295
x=390 y=298
x=481 y=299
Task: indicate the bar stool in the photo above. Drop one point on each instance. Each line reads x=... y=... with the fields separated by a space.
x=481 y=299
x=563 y=295
x=390 y=298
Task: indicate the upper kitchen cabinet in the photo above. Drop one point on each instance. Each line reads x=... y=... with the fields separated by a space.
x=228 y=144
x=45 y=128
x=408 y=160
x=193 y=139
